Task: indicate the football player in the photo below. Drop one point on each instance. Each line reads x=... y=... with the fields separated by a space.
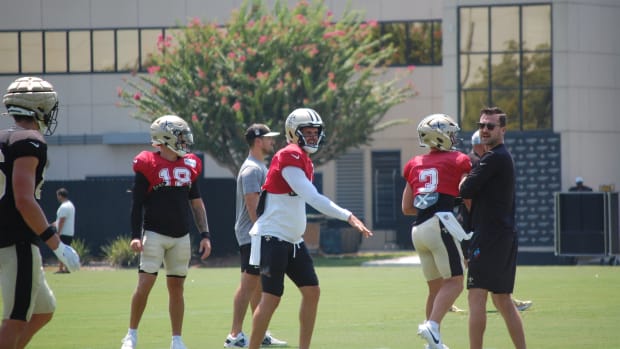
x=430 y=193
x=165 y=190
x=28 y=301
x=277 y=243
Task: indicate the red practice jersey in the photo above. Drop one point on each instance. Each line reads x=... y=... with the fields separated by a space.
x=437 y=171
x=291 y=155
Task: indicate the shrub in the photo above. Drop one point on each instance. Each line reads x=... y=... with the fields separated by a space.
x=79 y=245
x=119 y=254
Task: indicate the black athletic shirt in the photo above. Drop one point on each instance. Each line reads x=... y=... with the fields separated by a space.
x=15 y=144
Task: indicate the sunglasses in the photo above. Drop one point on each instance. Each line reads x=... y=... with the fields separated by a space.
x=489 y=125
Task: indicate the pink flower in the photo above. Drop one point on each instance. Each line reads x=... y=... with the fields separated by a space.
x=119 y=91
x=201 y=73
x=224 y=100
x=196 y=93
x=330 y=75
x=137 y=96
x=262 y=39
x=232 y=55
x=194 y=117
x=411 y=68
x=373 y=23
x=236 y=106
x=153 y=69
x=301 y=19
x=262 y=76
x=357 y=67
x=333 y=34
x=195 y=22
x=331 y=85
x=242 y=58
x=250 y=24
x=163 y=81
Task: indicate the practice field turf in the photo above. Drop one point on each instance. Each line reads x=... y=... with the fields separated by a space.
x=361 y=307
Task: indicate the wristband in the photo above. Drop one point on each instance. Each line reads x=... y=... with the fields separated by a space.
x=205 y=235
x=48 y=233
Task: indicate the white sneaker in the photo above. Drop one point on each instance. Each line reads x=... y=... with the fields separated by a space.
x=433 y=338
x=236 y=342
x=129 y=342
x=177 y=343
x=426 y=346
x=270 y=340
x=522 y=305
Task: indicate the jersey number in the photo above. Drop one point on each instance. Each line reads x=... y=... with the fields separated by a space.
x=181 y=175
x=430 y=179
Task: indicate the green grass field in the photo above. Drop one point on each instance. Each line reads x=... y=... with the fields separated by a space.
x=361 y=307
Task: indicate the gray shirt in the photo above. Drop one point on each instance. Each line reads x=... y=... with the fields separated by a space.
x=250 y=179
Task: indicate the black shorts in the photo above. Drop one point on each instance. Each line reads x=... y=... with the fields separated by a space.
x=244 y=254
x=278 y=258
x=66 y=239
x=493 y=262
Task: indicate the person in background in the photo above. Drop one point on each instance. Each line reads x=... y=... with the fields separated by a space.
x=28 y=303
x=165 y=191
x=431 y=188
x=277 y=243
x=493 y=249
x=477 y=150
x=579 y=186
x=65 y=222
x=250 y=178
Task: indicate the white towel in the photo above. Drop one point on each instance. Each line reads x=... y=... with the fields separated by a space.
x=453 y=226
x=255 y=250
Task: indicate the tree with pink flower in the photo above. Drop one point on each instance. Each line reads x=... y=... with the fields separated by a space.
x=262 y=64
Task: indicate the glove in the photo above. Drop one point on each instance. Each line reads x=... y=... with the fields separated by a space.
x=67 y=255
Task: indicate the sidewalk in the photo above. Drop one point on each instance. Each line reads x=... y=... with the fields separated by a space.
x=396 y=262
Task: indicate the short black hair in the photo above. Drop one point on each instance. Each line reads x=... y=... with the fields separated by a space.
x=63 y=192
x=495 y=111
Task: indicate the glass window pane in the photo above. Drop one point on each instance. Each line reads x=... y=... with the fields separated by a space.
x=55 y=52
x=9 y=53
x=508 y=101
x=505 y=70
x=537 y=109
x=420 y=43
x=79 y=51
x=504 y=28
x=127 y=50
x=474 y=33
x=150 y=38
x=471 y=103
x=537 y=69
x=103 y=50
x=537 y=27
x=437 y=43
x=32 y=52
x=399 y=40
x=474 y=70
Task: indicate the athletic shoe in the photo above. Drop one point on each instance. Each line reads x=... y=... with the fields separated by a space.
x=236 y=342
x=456 y=309
x=177 y=343
x=433 y=338
x=272 y=341
x=522 y=305
x=129 y=342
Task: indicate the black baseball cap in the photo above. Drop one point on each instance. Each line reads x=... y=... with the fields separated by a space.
x=259 y=130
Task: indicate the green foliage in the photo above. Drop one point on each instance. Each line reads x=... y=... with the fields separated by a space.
x=119 y=254
x=79 y=245
x=262 y=65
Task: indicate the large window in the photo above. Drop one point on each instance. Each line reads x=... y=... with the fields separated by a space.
x=129 y=49
x=505 y=61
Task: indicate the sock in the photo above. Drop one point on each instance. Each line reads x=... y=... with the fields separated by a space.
x=434 y=325
x=132 y=332
x=177 y=338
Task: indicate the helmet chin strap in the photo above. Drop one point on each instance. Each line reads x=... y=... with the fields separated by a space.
x=311 y=149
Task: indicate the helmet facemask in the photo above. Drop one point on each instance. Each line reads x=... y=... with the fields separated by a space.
x=174 y=133
x=300 y=119
x=36 y=98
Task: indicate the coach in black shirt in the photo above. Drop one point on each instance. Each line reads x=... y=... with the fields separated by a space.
x=493 y=251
